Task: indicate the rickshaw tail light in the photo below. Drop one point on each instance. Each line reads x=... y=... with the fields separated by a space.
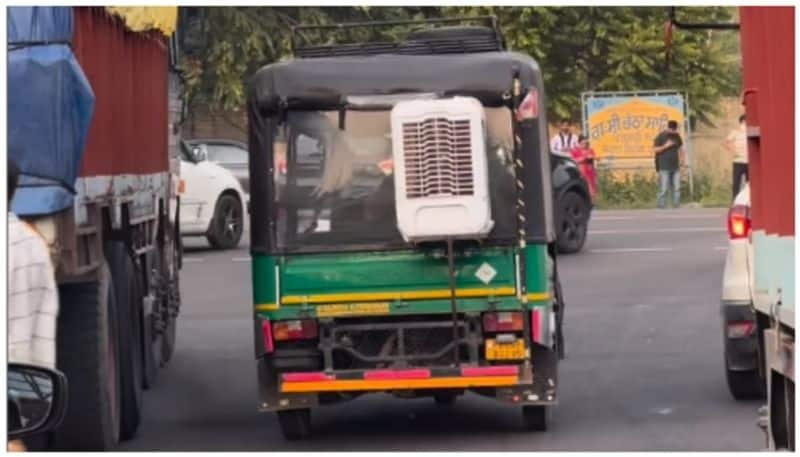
x=502 y=322
x=529 y=108
x=266 y=329
x=305 y=329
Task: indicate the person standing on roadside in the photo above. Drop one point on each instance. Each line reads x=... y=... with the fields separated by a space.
x=563 y=141
x=736 y=143
x=668 y=150
x=584 y=156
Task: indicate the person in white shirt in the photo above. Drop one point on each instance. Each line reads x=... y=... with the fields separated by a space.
x=736 y=143
x=564 y=141
x=32 y=293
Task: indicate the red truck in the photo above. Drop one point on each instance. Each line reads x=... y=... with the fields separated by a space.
x=767 y=43
x=767 y=37
x=92 y=114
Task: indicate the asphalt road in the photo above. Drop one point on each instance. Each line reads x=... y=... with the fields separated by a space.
x=644 y=368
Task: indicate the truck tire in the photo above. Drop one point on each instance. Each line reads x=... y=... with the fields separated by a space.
x=227 y=225
x=151 y=342
x=745 y=385
x=534 y=418
x=168 y=339
x=151 y=346
x=295 y=424
x=129 y=306
x=88 y=355
x=572 y=219
x=168 y=342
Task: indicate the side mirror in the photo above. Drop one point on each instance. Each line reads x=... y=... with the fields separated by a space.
x=199 y=154
x=37 y=399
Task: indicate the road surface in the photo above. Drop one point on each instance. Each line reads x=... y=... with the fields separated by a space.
x=644 y=368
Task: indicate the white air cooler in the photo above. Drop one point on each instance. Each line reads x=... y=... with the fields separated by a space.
x=441 y=176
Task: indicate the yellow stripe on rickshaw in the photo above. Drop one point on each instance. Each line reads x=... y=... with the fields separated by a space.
x=416 y=295
x=396 y=295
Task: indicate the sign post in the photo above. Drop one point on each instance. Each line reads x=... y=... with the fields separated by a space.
x=621 y=126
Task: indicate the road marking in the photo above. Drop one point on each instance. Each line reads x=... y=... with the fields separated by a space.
x=623 y=250
x=662 y=411
x=691 y=216
x=612 y=218
x=670 y=230
x=193 y=259
x=674 y=216
x=241 y=259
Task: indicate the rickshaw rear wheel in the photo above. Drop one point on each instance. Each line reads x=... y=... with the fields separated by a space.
x=534 y=418
x=445 y=398
x=295 y=424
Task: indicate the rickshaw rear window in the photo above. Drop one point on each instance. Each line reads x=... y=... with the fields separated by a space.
x=335 y=188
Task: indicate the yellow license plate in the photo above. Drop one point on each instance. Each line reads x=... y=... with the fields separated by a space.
x=507 y=351
x=353 y=309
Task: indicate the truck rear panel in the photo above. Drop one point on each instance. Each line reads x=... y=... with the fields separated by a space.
x=767 y=35
x=128 y=72
x=768 y=58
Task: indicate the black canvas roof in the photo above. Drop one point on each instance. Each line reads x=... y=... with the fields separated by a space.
x=321 y=83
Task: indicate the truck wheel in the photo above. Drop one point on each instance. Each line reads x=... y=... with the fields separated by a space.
x=745 y=385
x=88 y=355
x=534 y=418
x=227 y=225
x=168 y=339
x=572 y=222
x=129 y=306
x=168 y=342
x=151 y=347
x=151 y=342
x=295 y=424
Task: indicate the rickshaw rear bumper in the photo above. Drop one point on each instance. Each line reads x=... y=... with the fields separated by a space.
x=516 y=384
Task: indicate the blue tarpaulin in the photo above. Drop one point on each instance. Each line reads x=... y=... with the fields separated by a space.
x=50 y=105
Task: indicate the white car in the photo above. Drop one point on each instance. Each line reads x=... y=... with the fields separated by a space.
x=742 y=366
x=212 y=200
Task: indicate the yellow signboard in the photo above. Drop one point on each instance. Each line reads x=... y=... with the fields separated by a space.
x=625 y=128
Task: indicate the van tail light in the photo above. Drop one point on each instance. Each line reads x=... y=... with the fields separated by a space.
x=740 y=329
x=502 y=322
x=739 y=222
x=305 y=329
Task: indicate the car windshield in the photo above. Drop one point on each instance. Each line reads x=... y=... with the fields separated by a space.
x=226 y=153
x=335 y=188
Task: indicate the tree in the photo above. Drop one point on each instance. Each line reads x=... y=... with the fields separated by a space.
x=224 y=46
x=579 y=49
x=622 y=49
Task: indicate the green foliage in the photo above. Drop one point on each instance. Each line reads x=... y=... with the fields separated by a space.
x=579 y=49
x=224 y=46
x=628 y=192
x=640 y=190
x=622 y=49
